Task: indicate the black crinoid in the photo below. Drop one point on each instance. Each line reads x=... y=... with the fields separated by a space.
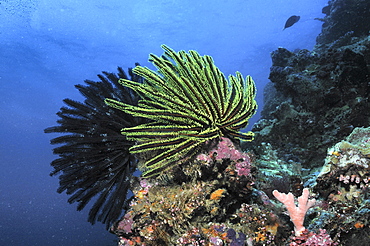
x=94 y=158
x=189 y=102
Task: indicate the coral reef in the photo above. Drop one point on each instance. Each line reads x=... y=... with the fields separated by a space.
x=213 y=200
x=344 y=17
x=343 y=186
x=200 y=188
x=318 y=97
x=210 y=201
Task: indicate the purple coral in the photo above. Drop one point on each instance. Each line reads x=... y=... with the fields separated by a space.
x=126 y=224
x=240 y=241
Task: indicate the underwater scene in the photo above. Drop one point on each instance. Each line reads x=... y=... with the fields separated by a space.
x=241 y=123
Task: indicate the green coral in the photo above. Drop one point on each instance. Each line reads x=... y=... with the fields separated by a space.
x=189 y=101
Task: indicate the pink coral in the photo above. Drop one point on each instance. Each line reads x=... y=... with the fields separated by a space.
x=312 y=239
x=296 y=214
x=243 y=168
x=125 y=225
x=227 y=150
x=204 y=158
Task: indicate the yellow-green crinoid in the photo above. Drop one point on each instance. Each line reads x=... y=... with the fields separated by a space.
x=188 y=102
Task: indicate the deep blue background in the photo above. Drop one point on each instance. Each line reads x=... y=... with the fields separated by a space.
x=47 y=46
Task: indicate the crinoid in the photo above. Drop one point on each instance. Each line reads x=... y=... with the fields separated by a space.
x=94 y=158
x=188 y=102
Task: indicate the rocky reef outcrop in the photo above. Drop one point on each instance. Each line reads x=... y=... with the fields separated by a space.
x=348 y=19
x=315 y=98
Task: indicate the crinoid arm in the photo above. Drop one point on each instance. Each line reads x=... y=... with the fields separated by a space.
x=188 y=101
x=94 y=161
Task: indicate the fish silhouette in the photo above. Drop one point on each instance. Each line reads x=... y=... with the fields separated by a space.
x=291 y=21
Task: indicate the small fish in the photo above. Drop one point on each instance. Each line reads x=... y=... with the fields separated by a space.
x=291 y=21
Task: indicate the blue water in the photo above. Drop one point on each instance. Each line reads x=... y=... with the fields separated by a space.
x=46 y=47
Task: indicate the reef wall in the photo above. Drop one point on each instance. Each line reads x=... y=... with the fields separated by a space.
x=316 y=98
